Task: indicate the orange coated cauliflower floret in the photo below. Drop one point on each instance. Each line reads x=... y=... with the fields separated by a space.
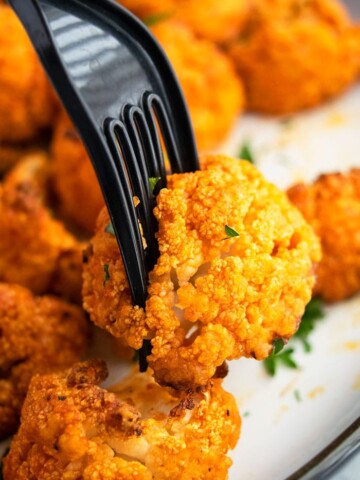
x=214 y=20
x=37 y=335
x=332 y=206
x=210 y=298
x=213 y=93
x=36 y=250
x=295 y=54
x=27 y=102
x=73 y=176
x=72 y=429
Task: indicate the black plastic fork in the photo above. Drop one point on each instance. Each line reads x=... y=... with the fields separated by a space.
x=123 y=97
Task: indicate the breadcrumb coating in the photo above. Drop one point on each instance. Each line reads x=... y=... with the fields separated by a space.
x=281 y=55
x=73 y=177
x=332 y=206
x=210 y=298
x=71 y=429
x=38 y=335
x=27 y=101
x=210 y=19
x=213 y=92
x=36 y=250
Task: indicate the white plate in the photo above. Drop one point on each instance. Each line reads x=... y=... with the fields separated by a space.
x=281 y=433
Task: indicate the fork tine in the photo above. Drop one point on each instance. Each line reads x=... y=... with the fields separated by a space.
x=149 y=146
x=124 y=214
x=139 y=174
x=139 y=135
x=118 y=131
x=155 y=110
x=138 y=280
x=155 y=132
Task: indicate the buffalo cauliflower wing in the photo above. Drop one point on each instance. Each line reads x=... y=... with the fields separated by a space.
x=38 y=335
x=71 y=429
x=27 y=102
x=10 y=154
x=210 y=298
x=213 y=92
x=213 y=20
x=73 y=177
x=332 y=206
x=36 y=250
x=295 y=54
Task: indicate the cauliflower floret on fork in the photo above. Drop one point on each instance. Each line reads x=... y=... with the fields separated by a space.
x=210 y=298
x=71 y=428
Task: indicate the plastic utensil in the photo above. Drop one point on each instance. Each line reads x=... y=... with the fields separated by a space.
x=123 y=97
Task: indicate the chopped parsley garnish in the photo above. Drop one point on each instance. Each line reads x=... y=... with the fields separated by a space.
x=275 y=359
x=107 y=274
x=297 y=395
x=152 y=20
x=313 y=312
x=278 y=345
x=230 y=232
x=153 y=182
x=109 y=229
x=246 y=414
x=245 y=153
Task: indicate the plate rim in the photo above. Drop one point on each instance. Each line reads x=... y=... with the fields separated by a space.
x=332 y=456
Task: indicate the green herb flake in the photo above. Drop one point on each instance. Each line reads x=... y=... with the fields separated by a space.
x=314 y=311
x=153 y=182
x=107 y=274
x=270 y=365
x=109 y=229
x=284 y=357
x=245 y=153
x=246 y=414
x=152 y=20
x=278 y=345
x=230 y=232
x=297 y=395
